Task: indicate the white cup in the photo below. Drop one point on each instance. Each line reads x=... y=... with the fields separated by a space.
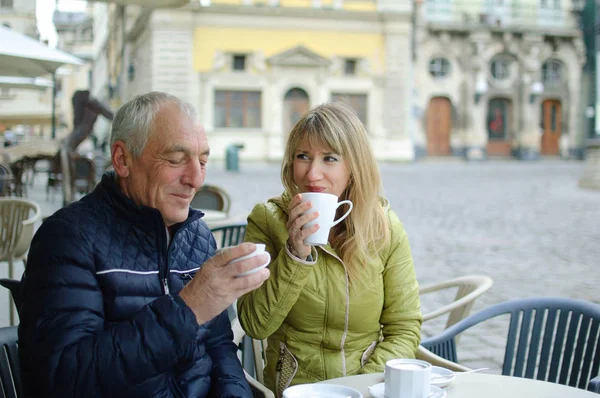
x=407 y=378
x=260 y=249
x=326 y=204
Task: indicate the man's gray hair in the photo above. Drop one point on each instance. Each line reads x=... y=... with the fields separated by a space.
x=133 y=121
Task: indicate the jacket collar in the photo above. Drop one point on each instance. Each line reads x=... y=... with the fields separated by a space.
x=144 y=216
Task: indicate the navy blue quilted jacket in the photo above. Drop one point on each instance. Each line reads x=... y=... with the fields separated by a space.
x=101 y=316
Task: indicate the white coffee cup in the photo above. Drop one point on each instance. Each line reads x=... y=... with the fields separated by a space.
x=260 y=249
x=326 y=204
x=407 y=378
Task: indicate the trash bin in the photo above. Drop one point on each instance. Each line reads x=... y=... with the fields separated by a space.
x=232 y=162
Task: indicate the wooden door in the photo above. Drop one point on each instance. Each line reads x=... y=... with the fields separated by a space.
x=551 y=123
x=439 y=126
x=295 y=105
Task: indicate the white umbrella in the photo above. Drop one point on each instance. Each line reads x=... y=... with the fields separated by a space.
x=23 y=56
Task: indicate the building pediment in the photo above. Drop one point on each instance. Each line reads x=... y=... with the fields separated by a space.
x=299 y=56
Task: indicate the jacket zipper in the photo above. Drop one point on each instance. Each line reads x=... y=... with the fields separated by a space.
x=163 y=264
x=279 y=366
x=343 y=341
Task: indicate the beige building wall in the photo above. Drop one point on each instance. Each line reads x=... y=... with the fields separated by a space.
x=188 y=52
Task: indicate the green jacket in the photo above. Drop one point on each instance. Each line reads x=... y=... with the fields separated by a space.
x=319 y=326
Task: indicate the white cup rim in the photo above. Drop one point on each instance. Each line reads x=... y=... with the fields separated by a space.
x=393 y=363
x=318 y=193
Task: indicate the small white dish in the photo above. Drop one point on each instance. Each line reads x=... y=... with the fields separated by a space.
x=321 y=391
x=441 y=377
x=378 y=391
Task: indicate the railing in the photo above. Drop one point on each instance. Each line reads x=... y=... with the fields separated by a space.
x=348 y=5
x=498 y=14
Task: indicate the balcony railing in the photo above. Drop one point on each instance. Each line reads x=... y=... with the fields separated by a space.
x=498 y=13
x=348 y=5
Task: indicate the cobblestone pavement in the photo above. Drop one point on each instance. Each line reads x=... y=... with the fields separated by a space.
x=527 y=225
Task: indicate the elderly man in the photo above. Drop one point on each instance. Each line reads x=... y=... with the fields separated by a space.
x=108 y=310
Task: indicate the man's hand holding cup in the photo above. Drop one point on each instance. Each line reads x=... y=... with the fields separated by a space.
x=232 y=272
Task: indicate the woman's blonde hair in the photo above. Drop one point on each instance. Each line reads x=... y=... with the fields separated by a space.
x=336 y=127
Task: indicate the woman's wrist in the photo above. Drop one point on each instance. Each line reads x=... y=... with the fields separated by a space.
x=294 y=252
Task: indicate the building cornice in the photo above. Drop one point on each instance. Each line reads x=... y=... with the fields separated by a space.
x=312 y=13
x=467 y=29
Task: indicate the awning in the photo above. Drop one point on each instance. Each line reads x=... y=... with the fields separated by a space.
x=22 y=56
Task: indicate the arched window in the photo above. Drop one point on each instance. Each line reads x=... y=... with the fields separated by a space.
x=439 y=67
x=552 y=72
x=500 y=67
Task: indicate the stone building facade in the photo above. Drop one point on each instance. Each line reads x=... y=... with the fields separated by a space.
x=252 y=67
x=498 y=80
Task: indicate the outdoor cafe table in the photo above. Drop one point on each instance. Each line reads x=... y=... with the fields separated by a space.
x=477 y=385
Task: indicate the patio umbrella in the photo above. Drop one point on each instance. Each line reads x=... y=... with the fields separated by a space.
x=22 y=56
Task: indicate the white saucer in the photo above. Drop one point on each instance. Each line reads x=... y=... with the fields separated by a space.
x=437 y=371
x=378 y=391
x=321 y=391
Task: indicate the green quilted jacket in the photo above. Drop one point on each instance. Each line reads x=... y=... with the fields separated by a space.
x=320 y=326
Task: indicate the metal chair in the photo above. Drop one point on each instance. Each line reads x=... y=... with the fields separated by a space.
x=211 y=197
x=549 y=338
x=17 y=220
x=230 y=234
x=240 y=338
x=10 y=371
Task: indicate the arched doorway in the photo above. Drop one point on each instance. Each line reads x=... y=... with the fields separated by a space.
x=499 y=122
x=295 y=104
x=551 y=126
x=439 y=126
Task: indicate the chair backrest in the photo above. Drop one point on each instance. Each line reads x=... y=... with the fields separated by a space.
x=549 y=338
x=211 y=197
x=470 y=287
x=241 y=340
x=10 y=371
x=17 y=219
x=230 y=234
x=84 y=174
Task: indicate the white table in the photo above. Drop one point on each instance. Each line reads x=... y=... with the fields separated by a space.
x=477 y=385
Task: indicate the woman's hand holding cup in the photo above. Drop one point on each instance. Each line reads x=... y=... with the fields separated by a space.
x=295 y=224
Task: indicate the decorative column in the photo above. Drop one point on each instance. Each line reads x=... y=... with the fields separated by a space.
x=475 y=122
x=397 y=89
x=529 y=138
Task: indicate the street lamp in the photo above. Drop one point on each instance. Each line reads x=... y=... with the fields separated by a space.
x=537 y=88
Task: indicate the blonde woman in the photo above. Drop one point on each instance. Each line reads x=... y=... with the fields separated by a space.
x=342 y=308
